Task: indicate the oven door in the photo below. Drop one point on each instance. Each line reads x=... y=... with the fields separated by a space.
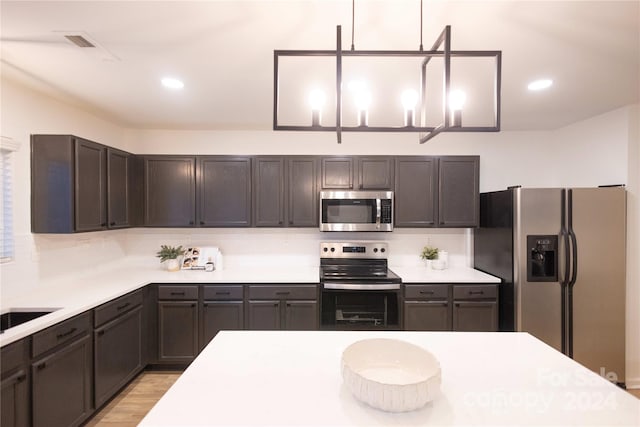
x=356 y=211
x=364 y=308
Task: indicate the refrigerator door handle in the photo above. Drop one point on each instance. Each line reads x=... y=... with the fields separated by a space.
x=574 y=243
x=565 y=256
x=574 y=258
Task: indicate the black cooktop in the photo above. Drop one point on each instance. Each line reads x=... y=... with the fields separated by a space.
x=361 y=270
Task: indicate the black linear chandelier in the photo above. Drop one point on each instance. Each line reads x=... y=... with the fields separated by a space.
x=452 y=101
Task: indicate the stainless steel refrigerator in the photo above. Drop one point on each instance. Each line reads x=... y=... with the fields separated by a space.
x=560 y=253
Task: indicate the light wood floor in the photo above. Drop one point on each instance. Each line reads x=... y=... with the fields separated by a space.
x=132 y=404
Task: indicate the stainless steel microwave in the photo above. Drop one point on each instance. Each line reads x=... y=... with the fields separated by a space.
x=356 y=210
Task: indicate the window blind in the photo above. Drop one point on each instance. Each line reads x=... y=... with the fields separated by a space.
x=7 y=147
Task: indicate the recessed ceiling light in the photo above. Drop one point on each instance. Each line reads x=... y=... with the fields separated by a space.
x=540 y=84
x=172 y=83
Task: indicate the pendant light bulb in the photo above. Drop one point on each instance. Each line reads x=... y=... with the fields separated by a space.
x=317 y=99
x=363 y=100
x=409 y=99
x=457 y=98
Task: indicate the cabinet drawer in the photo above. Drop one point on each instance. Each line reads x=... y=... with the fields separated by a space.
x=307 y=292
x=13 y=356
x=222 y=293
x=426 y=291
x=474 y=292
x=113 y=309
x=61 y=333
x=178 y=292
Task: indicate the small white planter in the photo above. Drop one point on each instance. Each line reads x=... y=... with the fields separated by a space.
x=172 y=264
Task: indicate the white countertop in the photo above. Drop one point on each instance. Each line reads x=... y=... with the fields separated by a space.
x=72 y=296
x=450 y=275
x=267 y=378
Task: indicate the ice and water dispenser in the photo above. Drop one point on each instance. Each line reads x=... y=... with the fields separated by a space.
x=542 y=258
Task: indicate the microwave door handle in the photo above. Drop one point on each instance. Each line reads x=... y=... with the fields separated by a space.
x=378 y=213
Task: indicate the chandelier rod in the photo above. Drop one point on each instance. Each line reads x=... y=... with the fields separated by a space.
x=353 y=12
x=421 y=25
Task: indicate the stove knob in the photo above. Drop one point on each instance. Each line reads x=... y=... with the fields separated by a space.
x=375 y=250
x=333 y=249
x=383 y=250
x=325 y=249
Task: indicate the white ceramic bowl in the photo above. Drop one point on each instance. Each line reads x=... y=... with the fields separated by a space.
x=390 y=374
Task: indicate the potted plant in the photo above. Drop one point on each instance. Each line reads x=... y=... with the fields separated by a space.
x=170 y=254
x=429 y=253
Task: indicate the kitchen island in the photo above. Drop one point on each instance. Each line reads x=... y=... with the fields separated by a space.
x=293 y=378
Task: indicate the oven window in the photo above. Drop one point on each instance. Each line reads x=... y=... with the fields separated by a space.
x=351 y=211
x=359 y=309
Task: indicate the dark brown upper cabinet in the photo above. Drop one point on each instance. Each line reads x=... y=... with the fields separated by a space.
x=416 y=191
x=459 y=196
x=119 y=192
x=68 y=184
x=357 y=173
x=375 y=173
x=338 y=173
x=90 y=186
x=302 y=182
x=169 y=191
x=224 y=191
x=269 y=191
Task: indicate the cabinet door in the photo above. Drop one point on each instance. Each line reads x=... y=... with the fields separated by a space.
x=303 y=192
x=459 y=194
x=415 y=191
x=337 y=172
x=52 y=195
x=219 y=316
x=375 y=173
x=427 y=316
x=90 y=186
x=475 y=316
x=15 y=400
x=268 y=194
x=61 y=386
x=117 y=354
x=264 y=315
x=169 y=196
x=118 y=168
x=177 y=331
x=301 y=315
x=224 y=191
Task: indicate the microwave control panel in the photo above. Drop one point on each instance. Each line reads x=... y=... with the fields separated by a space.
x=385 y=211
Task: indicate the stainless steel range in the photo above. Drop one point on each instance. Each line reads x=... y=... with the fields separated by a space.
x=358 y=289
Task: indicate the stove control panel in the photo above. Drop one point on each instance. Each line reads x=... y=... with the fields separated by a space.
x=376 y=250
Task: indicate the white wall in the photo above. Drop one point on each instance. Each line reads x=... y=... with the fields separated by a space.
x=601 y=150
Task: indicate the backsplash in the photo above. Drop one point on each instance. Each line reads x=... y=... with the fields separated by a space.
x=44 y=259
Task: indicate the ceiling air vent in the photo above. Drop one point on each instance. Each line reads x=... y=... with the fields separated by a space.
x=78 y=40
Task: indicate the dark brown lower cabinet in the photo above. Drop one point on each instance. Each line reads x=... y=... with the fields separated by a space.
x=61 y=385
x=273 y=307
x=475 y=316
x=221 y=315
x=177 y=331
x=264 y=315
x=475 y=308
x=15 y=385
x=279 y=314
x=117 y=354
x=427 y=307
x=427 y=316
x=301 y=315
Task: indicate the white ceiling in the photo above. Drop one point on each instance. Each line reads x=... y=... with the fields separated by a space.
x=223 y=50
